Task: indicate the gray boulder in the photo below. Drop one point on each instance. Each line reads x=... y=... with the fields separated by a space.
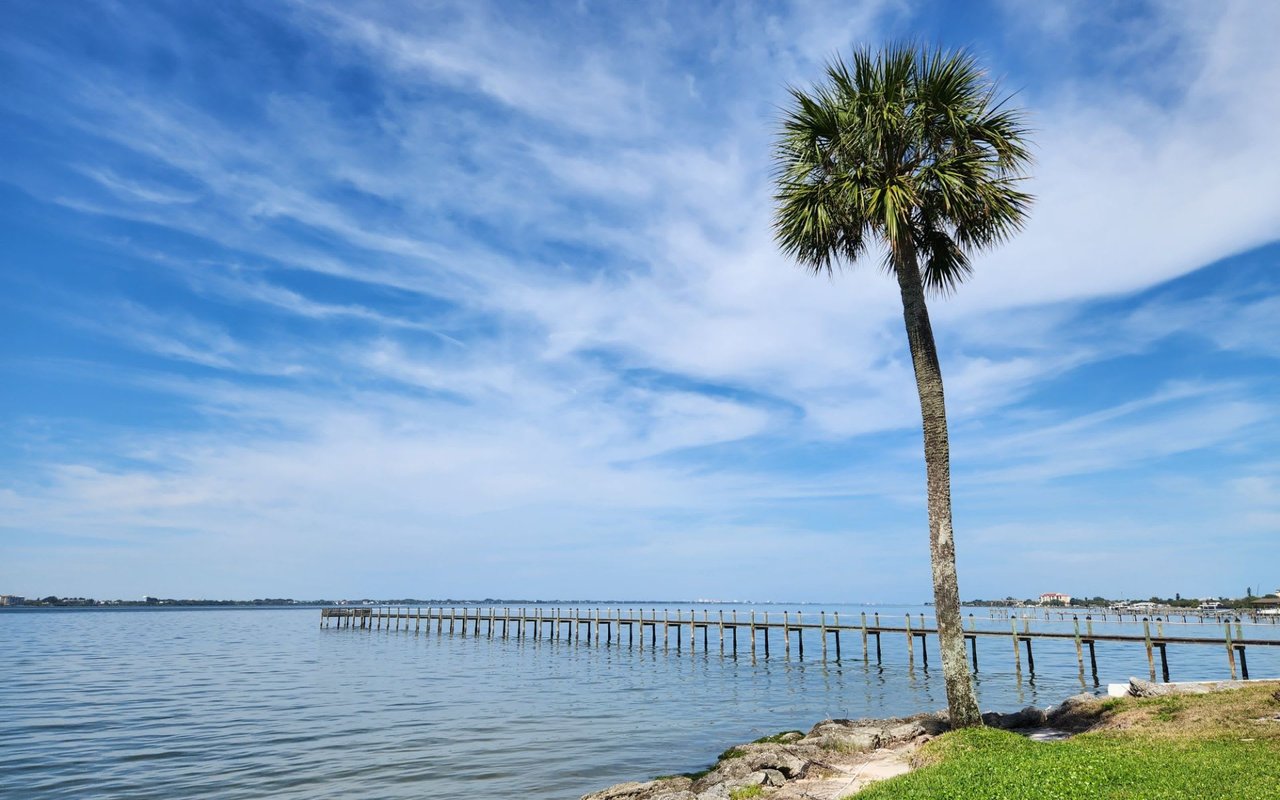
x=725 y=789
x=854 y=741
x=787 y=760
x=661 y=789
x=903 y=732
x=1141 y=688
x=1029 y=717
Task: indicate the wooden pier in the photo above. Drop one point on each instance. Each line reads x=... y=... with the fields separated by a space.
x=606 y=626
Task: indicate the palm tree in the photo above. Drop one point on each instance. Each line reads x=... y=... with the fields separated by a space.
x=911 y=150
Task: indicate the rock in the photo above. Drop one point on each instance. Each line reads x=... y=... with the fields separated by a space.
x=903 y=733
x=829 y=725
x=1075 y=714
x=1029 y=717
x=934 y=724
x=845 y=736
x=661 y=789
x=773 y=778
x=725 y=789
x=857 y=740
x=721 y=791
x=1141 y=688
x=788 y=760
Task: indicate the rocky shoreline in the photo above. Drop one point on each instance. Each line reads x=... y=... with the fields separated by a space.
x=839 y=757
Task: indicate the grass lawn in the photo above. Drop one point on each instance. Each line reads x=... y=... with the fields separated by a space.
x=1197 y=747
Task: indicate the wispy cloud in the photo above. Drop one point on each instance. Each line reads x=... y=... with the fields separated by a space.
x=460 y=273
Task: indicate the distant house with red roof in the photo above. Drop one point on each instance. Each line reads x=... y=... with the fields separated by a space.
x=1053 y=598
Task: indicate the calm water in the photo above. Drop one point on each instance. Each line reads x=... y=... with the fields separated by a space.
x=256 y=703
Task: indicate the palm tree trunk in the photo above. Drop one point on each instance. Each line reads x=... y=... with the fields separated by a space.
x=961 y=700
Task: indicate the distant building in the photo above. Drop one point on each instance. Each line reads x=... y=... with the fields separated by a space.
x=12 y=600
x=1267 y=605
x=1052 y=598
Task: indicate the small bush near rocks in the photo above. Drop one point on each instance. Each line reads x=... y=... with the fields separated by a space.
x=746 y=792
x=786 y=737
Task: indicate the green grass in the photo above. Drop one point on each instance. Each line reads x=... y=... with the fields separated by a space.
x=1112 y=704
x=1167 y=708
x=987 y=764
x=746 y=792
x=1166 y=748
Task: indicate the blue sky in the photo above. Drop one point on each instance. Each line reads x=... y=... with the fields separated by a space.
x=476 y=299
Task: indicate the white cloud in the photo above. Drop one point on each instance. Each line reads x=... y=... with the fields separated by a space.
x=1133 y=191
x=595 y=292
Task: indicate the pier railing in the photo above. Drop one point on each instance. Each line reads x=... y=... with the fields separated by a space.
x=606 y=626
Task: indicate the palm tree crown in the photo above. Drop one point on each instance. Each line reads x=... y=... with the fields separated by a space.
x=904 y=147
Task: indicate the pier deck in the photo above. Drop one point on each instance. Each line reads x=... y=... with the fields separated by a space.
x=758 y=629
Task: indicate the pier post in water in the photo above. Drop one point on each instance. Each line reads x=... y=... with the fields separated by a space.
x=1244 y=663
x=1017 y=657
x=1079 y=652
x=1146 y=641
x=911 y=647
x=1231 y=656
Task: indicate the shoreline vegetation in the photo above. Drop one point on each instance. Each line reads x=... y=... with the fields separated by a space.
x=1172 y=741
x=1082 y=604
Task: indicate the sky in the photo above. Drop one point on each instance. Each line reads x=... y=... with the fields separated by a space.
x=364 y=299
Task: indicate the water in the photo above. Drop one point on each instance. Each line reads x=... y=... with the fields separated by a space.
x=257 y=703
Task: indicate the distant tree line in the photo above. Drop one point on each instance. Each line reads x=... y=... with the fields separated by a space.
x=1177 y=601
x=74 y=602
